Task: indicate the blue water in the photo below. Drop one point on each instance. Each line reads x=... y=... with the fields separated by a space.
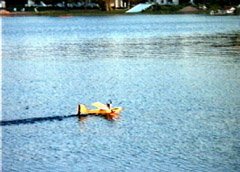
x=177 y=77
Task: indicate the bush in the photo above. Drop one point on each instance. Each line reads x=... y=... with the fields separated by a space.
x=164 y=9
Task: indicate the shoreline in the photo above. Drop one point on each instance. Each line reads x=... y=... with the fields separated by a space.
x=83 y=12
x=87 y=13
x=65 y=13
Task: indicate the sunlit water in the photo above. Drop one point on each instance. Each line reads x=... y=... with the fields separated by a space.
x=177 y=77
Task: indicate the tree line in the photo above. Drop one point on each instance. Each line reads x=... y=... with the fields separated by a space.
x=106 y=4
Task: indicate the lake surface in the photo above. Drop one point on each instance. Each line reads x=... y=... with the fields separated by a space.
x=177 y=77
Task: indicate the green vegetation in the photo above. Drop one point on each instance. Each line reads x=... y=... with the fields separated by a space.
x=174 y=9
x=66 y=13
x=103 y=7
x=164 y=9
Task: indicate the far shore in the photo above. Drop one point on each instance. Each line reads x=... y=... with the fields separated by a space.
x=96 y=12
x=68 y=13
x=63 y=13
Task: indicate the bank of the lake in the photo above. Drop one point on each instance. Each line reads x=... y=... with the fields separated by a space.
x=155 y=9
x=67 y=13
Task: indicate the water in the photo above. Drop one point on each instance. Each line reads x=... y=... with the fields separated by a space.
x=177 y=77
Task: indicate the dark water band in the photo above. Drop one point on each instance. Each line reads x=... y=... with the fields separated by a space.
x=34 y=120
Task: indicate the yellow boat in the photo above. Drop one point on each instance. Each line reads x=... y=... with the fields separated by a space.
x=110 y=113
